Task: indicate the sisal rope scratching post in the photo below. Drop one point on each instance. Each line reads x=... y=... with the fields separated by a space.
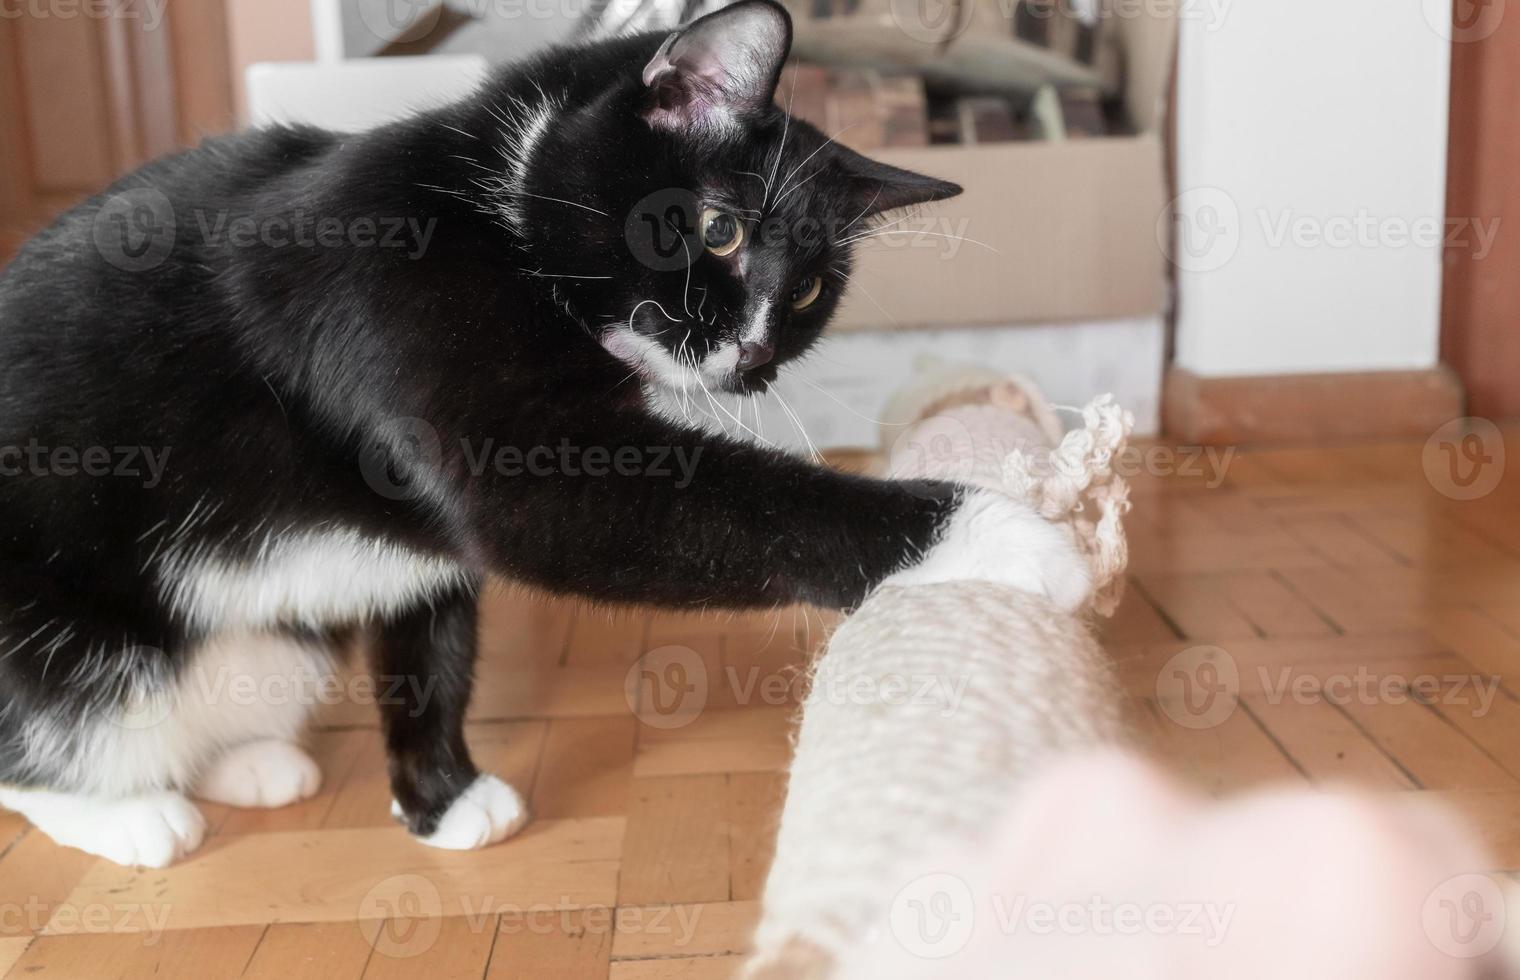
x=932 y=703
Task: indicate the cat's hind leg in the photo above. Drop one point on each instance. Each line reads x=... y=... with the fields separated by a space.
x=265 y=774
x=245 y=698
x=111 y=781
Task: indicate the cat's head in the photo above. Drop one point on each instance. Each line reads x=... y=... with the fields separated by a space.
x=702 y=234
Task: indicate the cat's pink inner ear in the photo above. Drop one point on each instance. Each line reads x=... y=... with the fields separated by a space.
x=722 y=66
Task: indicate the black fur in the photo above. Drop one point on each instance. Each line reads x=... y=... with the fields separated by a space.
x=424 y=722
x=301 y=386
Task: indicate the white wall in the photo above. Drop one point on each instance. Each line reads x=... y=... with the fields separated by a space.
x=1312 y=174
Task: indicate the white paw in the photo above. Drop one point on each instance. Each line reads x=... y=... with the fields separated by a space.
x=149 y=831
x=488 y=812
x=263 y=775
x=993 y=538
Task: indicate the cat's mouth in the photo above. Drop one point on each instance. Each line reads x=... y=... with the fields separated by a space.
x=754 y=382
x=721 y=370
x=681 y=370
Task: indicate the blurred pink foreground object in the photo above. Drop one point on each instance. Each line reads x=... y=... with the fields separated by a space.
x=1106 y=869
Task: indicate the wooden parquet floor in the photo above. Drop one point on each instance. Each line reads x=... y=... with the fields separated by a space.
x=1316 y=615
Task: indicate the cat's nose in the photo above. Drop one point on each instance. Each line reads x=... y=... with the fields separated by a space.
x=753 y=355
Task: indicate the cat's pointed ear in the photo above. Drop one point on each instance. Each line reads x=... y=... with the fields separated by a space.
x=719 y=67
x=879 y=187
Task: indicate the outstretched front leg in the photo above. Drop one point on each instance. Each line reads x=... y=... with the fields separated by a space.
x=695 y=518
x=424 y=662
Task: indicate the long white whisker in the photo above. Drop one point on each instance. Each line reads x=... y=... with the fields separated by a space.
x=643 y=303
x=870 y=231
x=861 y=286
x=870 y=204
x=696 y=372
x=722 y=408
x=710 y=401
x=682 y=356
x=832 y=397
x=556 y=200
x=799 y=186
x=552 y=275
x=685 y=290
x=786 y=123
x=759 y=177
x=817 y=457
x=783 y=192
x=928 y=234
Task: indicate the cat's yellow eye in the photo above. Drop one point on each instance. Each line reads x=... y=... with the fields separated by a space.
x=805 y=292
x=722 y=233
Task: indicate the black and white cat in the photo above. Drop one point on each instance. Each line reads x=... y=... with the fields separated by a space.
x=347 y=432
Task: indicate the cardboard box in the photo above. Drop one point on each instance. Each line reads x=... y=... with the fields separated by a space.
x=1065 y=231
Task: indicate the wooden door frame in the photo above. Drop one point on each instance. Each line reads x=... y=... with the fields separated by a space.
x=163 y=89
x=1480 y=301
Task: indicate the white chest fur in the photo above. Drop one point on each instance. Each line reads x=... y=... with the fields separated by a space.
x=313 y=579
